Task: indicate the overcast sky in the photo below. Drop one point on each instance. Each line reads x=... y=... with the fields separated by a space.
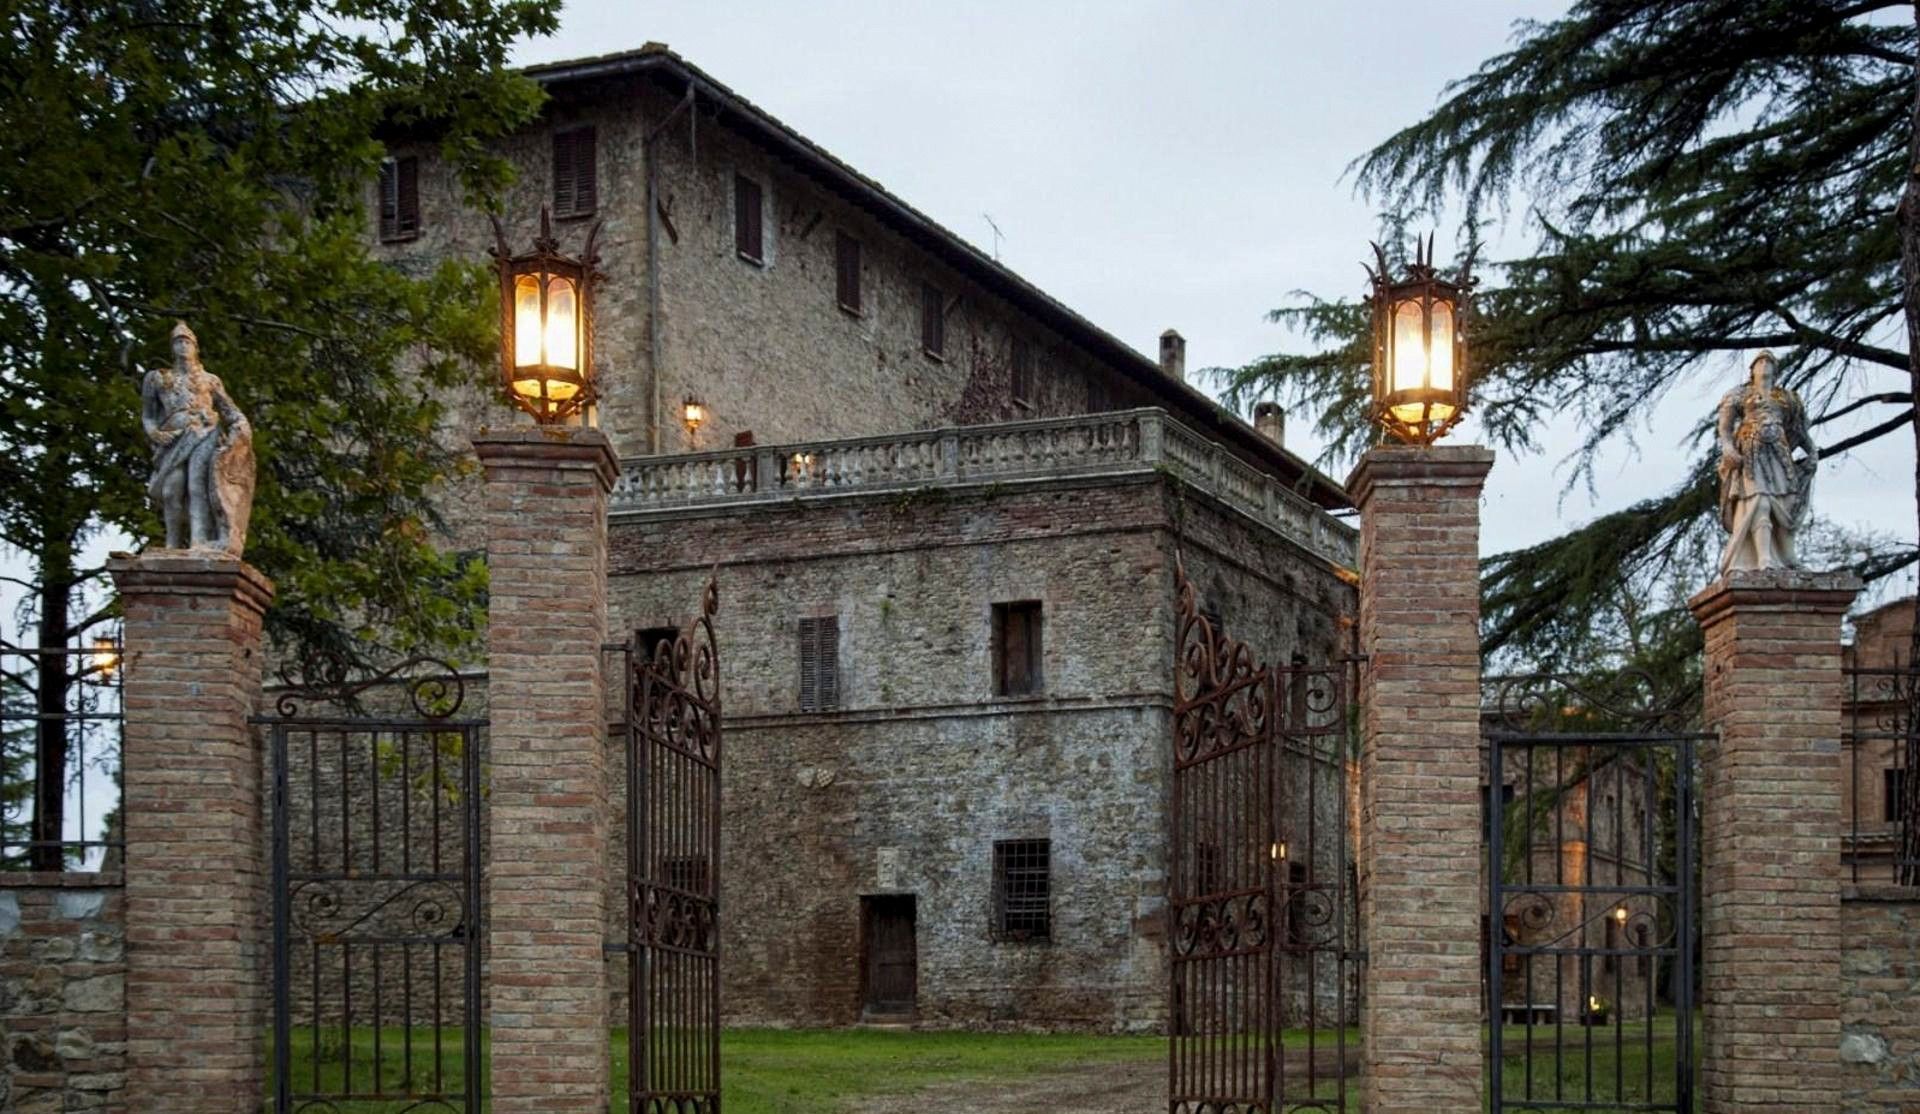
x=1169 y=164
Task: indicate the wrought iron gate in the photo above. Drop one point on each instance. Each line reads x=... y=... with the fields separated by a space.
x=376 y=895
x=1262 y=919
x=1591 y=933
x=673 y=868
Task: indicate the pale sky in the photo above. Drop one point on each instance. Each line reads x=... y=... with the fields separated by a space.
x=1167 y=164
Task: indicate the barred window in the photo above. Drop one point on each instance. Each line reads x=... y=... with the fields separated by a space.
x=748 y=239
x=1022 y=886
x=819 y=663
x=400 y=198
x=576 y=173
x=1896 y=790
x=687 y=872
x=1016 y=648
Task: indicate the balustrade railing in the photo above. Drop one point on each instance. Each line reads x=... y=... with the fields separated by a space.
x=1117 y=442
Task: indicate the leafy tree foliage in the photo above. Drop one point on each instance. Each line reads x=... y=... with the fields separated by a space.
x=211 y=160
x=1699 y=177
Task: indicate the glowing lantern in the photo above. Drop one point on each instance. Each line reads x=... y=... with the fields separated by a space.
x=1419 y=349
x=546 y=325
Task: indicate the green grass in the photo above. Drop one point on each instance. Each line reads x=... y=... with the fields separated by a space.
x=1565 y=1076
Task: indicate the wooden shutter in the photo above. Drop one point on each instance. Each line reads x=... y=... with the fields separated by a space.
x=389 y=199
x=846 y=268
x=933 y=320
x=819 y=663
x=747 y=239
x=400 y=198
x=830 y=662
x=575 y=172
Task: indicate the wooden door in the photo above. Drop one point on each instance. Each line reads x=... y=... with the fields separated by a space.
x=891 y=973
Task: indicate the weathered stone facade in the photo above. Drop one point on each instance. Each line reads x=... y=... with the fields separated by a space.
x=1880 y=1000
x=63 y=1026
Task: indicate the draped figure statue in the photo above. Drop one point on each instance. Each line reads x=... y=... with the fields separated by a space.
x=203 y=469
x=1765 y=489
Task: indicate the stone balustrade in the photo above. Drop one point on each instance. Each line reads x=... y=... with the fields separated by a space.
x=1114 y=443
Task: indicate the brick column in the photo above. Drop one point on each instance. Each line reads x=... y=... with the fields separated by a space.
x=195 y=863
x=1770 y=840
x=1420 y=775
x=546 y=515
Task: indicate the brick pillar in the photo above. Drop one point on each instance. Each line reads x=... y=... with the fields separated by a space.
x=1770 y=840
x=1420 y=775
x=546 y=515
x=195 y=861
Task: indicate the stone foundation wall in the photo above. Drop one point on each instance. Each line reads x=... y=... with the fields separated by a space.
x=1880 y=1000
x=63 y=1004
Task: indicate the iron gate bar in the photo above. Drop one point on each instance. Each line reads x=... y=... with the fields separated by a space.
x=1628 y=753
x=312 y=903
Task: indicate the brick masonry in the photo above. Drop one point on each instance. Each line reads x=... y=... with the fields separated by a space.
x=1420 y=772
x=1770 y=840
x=548 y=814
x=195 y=862
x=63 y=1018
x=1880 y=1000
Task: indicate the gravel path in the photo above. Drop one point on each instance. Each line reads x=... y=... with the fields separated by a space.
x=1125 y=1087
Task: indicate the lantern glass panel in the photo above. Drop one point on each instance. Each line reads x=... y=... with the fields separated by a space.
x=563 y=324
x=1408 y=359
x=526 y=322
x=1440 y=350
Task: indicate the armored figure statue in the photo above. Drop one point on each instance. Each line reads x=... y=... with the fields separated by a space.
x=1764 y=488
x=202 y=452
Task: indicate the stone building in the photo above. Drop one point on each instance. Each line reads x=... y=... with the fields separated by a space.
x=1875 y=738
x=944 y=512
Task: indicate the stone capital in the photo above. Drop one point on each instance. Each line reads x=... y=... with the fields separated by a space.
x=191 y=572
x=548 y=449
x=1774 y=590
x=1418 y=465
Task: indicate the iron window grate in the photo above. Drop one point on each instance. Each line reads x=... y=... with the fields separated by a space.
x=1022 y=889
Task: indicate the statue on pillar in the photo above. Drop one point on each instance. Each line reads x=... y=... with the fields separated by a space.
x=1765 y=489
x=203 y=468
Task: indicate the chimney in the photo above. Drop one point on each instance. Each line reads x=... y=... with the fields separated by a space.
x=1173 y=355
x=1270 y=419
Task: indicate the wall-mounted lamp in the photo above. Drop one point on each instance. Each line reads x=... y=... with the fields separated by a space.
x=693 y=414
x=1620 y=914
x=1279 y=851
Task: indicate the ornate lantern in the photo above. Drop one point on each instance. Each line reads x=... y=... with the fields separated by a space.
x=546 y=324
x=1419 y=349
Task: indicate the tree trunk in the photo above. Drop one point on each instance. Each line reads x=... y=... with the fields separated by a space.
x=51 y=732
x=1907 y=867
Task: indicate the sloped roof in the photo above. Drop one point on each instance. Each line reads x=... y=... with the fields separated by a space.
x=657 y=62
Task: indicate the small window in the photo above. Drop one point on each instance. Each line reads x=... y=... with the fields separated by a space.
x=575 y=172
x=686 y=872
x=747 y=229
x=1021 y=889
x=933 y=321
x=400 y=199
x=846 y=271
x=1016 y=648
x=819 y=663
x=650 y=639
x=1896 y=790
x=1022 y=359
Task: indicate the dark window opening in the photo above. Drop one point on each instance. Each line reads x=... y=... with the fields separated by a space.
x=575 y=172
x=846 y=272
x=1021 y=889
x=1206 y=869
x=819 y=663
x=650 y=639
x=933 y=320
x=747 y=232
x=1022 y=359
x=1016 y=648
x=686 y=872
x=1297 y=878
x=1611 y=963
x=400 y=198
x=1896 y=793
x=1644 y=963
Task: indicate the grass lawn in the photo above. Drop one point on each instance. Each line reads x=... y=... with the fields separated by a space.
x=779 y=1071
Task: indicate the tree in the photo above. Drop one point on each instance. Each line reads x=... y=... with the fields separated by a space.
x=1692 y=177
x=209 y=160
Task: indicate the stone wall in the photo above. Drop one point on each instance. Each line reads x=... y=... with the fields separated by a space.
x=63 y=1007
x=1880 y=1000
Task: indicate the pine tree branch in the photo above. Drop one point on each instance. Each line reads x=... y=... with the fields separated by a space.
x=1885 y=398
x=1870 y=352
x=1890 y=425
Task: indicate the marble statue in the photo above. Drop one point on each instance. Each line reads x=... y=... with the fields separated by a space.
x=1765 y=488
x=202 y=452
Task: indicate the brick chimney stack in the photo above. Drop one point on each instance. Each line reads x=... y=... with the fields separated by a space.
x=1270 y=419
x=1173 y=355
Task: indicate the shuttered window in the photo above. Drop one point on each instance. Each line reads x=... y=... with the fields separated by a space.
x=1016 y=648
x=400 y=198
x=747 y=229
x=1022 y=889
x=575 y=172
x=1022 y=361
x=819 y=663
x=846 y=271
x=1896 y=788
x=933 y=320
